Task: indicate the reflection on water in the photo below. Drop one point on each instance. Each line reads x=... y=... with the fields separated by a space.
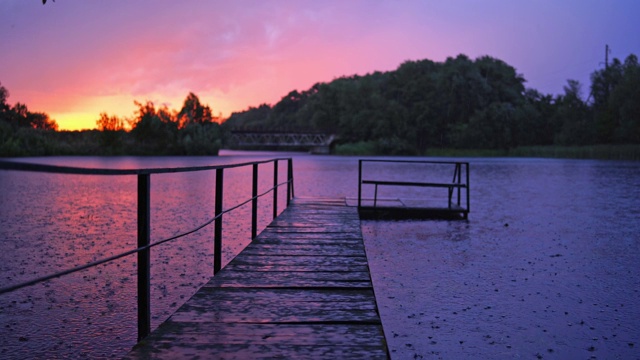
x=52 y=222
x=550 y=251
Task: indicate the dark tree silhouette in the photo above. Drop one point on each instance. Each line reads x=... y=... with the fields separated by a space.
x=459 y=103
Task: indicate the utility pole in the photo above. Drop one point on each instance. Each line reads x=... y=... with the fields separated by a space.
x=607 y=79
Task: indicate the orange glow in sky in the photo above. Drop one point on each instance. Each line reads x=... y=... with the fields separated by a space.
x=76 y=59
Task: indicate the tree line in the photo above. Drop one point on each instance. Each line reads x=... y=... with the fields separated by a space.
x=150 y=131
x=421 y=106
x=458 y=104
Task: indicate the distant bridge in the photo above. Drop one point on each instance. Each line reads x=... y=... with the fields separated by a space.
x=317 y=143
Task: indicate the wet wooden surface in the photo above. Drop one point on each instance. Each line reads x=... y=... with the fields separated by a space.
x=300 y=290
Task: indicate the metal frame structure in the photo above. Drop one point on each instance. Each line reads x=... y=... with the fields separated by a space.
x=457 y=185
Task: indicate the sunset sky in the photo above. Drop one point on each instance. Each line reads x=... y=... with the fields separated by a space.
x=74 y=59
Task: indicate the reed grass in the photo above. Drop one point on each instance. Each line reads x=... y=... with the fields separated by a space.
x=604 y=152
x=361 y=148
x=450 y=152
x=598 y=152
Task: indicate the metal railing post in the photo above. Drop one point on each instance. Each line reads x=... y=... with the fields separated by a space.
x=459 y=169
x=359 y=184
x=289 y=180
x=275 y=188
x=144 y=258
x=217 y=235
x=254 y=203
x=468 y=187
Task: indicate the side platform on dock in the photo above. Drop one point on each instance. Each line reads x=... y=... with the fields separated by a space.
x=455 y=203
x=301 y=289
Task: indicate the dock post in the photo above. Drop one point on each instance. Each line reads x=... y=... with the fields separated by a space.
x=144 y=259
x=254 y=203
x=217 y=236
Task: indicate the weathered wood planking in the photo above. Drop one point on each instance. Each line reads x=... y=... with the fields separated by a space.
x=301 y=290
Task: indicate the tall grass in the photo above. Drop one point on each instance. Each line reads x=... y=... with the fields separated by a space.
x=449 y=152
x=605 y=152
x=361 y=148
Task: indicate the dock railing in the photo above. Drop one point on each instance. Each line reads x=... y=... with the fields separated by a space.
x=144 y=218
x=456 y=186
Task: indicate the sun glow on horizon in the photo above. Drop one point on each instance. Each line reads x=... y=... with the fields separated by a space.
x=73 y=121
x=84 y=115
x=81 y=113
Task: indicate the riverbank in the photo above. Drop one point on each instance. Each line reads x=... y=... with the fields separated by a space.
x=594 y=152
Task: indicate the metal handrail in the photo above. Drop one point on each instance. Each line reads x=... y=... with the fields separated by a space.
x=22 y=166
x=144 y=244
x=457 y=177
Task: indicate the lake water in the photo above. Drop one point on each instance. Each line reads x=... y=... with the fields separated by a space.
x=546 y=266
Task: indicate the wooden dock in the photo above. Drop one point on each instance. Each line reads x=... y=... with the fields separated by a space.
x=301 y=289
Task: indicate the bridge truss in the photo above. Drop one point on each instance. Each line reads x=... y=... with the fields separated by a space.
x=316 y=142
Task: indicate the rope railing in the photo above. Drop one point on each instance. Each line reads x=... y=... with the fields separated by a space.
x=144 y=244
x=42 y=279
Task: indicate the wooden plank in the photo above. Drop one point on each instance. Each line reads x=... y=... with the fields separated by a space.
x=315 y=261
x=309 y=236
x=301 y=289
x=284 y=294
x=204 y=349
x=243 y=312
x=297 y=269
x=304 y=249
x=295 y=239
x=297 y=279
x=307 y=245
x=284 y=334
